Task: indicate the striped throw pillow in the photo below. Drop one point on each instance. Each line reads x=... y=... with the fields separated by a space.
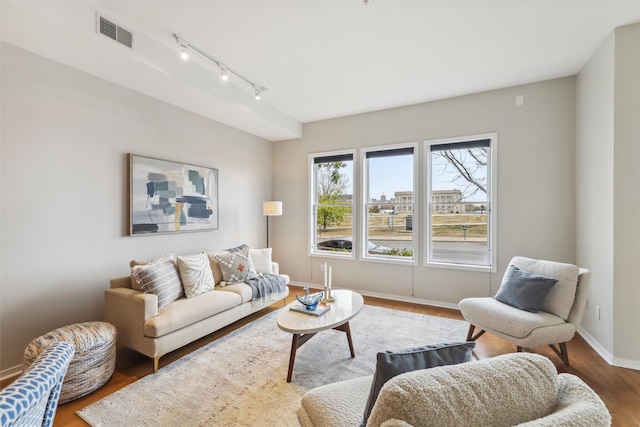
x=160 y=278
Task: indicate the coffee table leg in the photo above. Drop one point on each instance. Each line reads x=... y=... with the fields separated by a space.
x=292 y=357
x=345 y=328
x=296 y=343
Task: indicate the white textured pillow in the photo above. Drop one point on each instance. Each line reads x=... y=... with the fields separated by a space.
x=196 y=275
x=261 y=259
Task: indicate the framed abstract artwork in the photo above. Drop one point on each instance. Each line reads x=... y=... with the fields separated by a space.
x=169 y=197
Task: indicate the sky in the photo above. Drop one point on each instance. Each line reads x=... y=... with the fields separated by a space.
x=390 y=174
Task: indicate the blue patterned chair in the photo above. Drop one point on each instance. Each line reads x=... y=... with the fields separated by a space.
x=32 y=399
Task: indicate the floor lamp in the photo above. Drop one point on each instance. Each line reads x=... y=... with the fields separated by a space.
x=271 y=208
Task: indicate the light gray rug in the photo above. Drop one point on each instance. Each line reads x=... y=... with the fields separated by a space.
x=240 y=379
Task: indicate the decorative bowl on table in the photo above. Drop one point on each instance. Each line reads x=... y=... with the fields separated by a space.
x=310 y=302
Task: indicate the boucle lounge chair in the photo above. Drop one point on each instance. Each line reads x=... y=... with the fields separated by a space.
x=555 y=321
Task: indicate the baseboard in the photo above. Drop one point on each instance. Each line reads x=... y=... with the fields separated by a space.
x=608 y=357
x=10 y=373
x=390 y=297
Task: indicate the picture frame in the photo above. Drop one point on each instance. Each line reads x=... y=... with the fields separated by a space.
x=169 y=197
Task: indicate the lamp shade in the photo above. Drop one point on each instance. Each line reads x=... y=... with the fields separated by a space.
x=272 y=208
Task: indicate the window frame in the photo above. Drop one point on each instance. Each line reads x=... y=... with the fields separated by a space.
x=312 y=205
x=491 y=198
x=363 y=235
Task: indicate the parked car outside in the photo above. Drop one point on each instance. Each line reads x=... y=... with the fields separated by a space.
x=346 y=245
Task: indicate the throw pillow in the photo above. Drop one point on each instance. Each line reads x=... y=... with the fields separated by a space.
x=236 y=266
x=215 y=267
x=560 y=298
x=392 y=363
x=524 y=290
x=196 y=275
x=261 y=259
x=160 y=278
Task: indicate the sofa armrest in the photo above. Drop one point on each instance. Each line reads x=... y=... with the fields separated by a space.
x=128 y=310
x=578 y=404
x=276 y=267
x=335 y=405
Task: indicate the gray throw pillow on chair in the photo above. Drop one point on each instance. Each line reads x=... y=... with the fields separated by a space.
x=392 y=363
x=524 y=290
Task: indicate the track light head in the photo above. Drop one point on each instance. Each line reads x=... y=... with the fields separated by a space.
x=224 y=74
x=184 y=52
x=257 y=93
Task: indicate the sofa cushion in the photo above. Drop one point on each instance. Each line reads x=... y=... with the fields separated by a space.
x=501 y=391
x=392 y=363
x=184 y=312
x=495 y=315
x=524 y=290
x=196 y=275
x=159 y=277
x=560 y=298
x=215 y=266
x=241 y=289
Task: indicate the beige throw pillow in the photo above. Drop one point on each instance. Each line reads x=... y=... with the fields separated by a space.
x=196 y=275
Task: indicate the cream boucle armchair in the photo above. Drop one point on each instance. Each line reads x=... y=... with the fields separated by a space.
x=521 y=389
x=554 y=323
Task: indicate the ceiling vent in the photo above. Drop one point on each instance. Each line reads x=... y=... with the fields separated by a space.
x=115 y=32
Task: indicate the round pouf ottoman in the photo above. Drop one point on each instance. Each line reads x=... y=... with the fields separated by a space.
x=93 y=362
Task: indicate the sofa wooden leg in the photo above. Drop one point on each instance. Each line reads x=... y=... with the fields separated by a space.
x=562 y=353
x=470 y=336
x=156 y=362
x=519 y=349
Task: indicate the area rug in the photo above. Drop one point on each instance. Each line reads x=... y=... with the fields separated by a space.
x=240 y=379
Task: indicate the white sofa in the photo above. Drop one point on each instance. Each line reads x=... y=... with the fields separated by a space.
x=143 y=327
x=514 y=389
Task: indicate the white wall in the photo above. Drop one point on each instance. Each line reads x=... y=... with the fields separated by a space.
x=536 y=185
x=608 y=147
x=64 y=219
x=594 y=159
x=626 y=229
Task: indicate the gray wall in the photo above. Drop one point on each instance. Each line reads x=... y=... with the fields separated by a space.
x=608 y=148
x=65 y=139
x=536 y=186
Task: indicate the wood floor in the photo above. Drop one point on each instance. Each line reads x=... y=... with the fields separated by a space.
x=619 y=388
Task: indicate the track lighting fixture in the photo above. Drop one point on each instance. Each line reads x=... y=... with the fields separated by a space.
x=185 y=48
x=224 y=74
x=184 y=52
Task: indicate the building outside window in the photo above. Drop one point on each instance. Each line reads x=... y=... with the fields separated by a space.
x=332 y=221
x=461 y=198
x=388 y=224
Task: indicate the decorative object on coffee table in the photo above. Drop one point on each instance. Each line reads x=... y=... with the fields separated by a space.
x=310 y=301
x=93 y=362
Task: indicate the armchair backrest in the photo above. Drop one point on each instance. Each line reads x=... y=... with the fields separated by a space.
x=32 y=399
x=580 y=303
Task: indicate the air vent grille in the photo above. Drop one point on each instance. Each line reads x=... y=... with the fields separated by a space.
x=115 y=32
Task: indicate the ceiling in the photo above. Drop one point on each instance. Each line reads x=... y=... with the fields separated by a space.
x=319 y=59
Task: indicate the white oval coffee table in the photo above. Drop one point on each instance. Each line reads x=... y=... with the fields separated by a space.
x=304 y=326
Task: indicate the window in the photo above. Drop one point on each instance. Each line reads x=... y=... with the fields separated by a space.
x=461 y=201
x=389 y=203
x=332 y=221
